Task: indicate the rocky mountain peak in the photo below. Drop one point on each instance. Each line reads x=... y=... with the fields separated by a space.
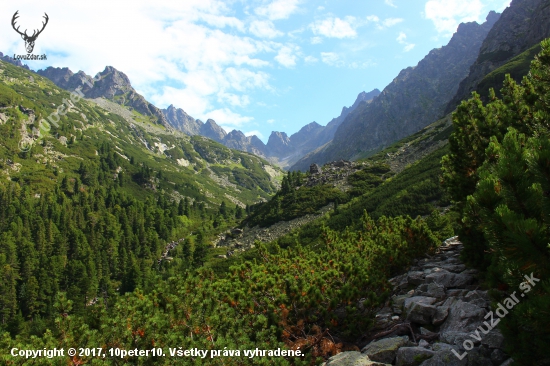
x=113 y=85
x=211 y=130
x=181 y=121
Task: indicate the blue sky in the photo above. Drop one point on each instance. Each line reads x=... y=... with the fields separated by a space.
x=257 y=66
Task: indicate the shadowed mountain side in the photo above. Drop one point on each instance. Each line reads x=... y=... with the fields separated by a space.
x=415 y=98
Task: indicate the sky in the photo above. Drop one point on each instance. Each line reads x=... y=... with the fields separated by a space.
x=253 y=65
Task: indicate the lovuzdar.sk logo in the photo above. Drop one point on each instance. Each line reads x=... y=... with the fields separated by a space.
x=29 y=40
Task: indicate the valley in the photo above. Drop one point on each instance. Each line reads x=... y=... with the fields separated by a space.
x=384 y=237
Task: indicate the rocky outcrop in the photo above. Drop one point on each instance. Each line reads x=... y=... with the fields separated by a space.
x=437 y=315
x=278 y=144
x=212 y=130
x=252 y=144
x=181 y=121
x=414 y=99
x=110 y=84
x=522 y=25
x=13 y=61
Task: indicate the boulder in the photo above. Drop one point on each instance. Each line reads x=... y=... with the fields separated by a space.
x=449 y=279
x=463 y=317
x=315 y=169
x=421 y=313
x=415 y=278
x=444 y=356
x=457 y=338
x=385 y=350
x=440 y=315
x=412 y=356
x=352 y=358
x=418 y=299
x=493 y=339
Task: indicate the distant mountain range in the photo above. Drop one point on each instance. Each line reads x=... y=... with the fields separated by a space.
x=114 y=85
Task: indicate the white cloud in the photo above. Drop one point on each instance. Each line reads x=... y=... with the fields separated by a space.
x=225 y=118
x=278 y=9
x=334 y=27
x=448 y=14
x=254 y=132
x=402 y=39
x=264 y=29
x=234 y=99
x=310 y=59
x=390 y=3
x=382 y=24
x=331 y=59
x=271 y=121
x=373 y=18
x=287 y=56
x=390 y=22
x=316 y=40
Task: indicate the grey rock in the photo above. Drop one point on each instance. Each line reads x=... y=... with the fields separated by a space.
x=352 y=358
x=445 y=356
x=418 y=299
x=449 y=279
x=385 y=350
x=426 y=332
x=493 y=339
x=456 y=268
x=440 y=315
x=457 y=338
x=508 y=362
x=423 y=343
x=415 y=278
x=463 y=317
x=421 y=313
x=412 y=356
x=315 y=169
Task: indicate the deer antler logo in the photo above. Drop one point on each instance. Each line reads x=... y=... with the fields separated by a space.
x=29 y=40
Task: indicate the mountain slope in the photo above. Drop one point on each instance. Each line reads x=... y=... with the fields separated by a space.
x=110 y=84
x=194 y=167
x=415 y=98
x=522 y=26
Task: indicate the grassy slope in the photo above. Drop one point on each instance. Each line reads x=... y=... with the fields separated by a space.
x=248 y=180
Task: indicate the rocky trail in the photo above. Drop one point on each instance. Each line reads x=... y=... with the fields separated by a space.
x=437 y=316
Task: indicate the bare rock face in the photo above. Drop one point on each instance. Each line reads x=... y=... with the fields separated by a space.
x=181 y=121
x=110 y=84
x=315 y=169
x=521 y=26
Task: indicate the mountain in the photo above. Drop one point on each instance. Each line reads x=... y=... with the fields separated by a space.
x=181 y=121
x=13 y=61
x=288 y=150
x=110 y=84
x=414 y=99
x=522 y=25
